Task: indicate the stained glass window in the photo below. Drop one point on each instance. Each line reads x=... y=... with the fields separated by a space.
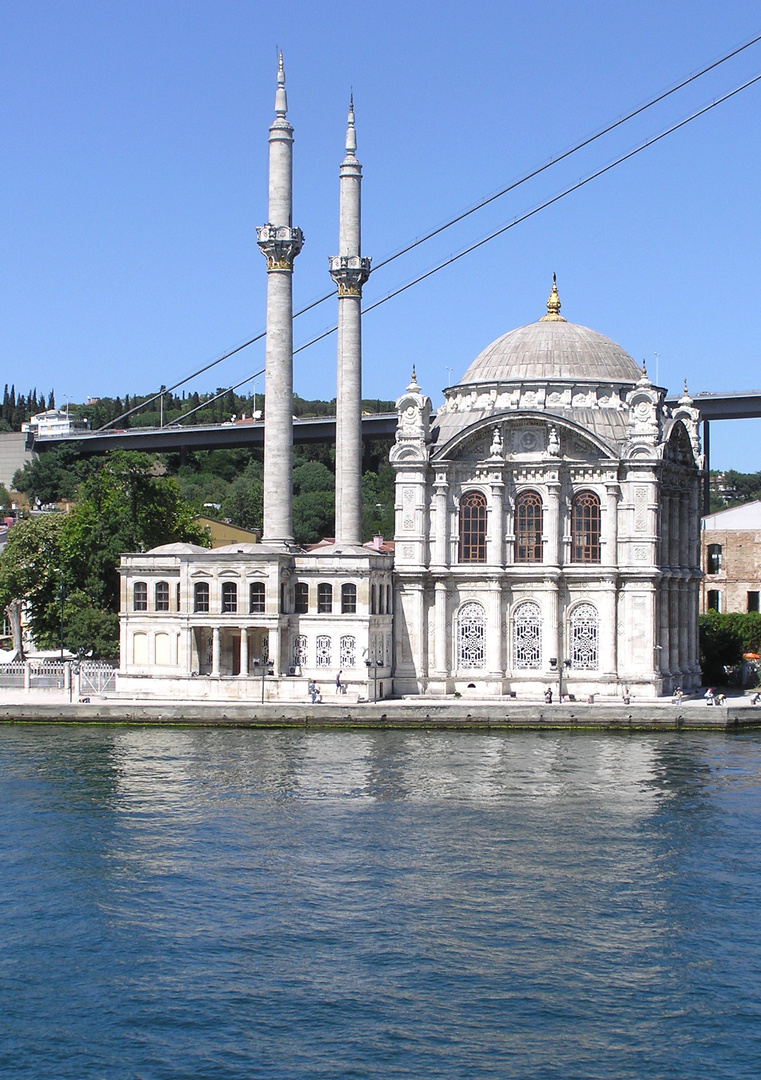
x=473 y=527
x=585 y=527
x=528 y=527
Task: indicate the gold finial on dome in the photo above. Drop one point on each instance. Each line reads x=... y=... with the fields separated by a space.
x=553 y=305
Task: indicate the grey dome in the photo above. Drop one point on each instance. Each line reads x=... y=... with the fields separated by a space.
x=552 y=350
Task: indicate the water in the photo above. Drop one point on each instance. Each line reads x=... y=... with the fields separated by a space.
x=242 y=904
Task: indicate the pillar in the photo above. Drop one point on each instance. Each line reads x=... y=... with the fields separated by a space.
x=244 y=652
x=495 y=554
x=552 y=523
x=280 y=243
x=215 y=651
x=349 y=271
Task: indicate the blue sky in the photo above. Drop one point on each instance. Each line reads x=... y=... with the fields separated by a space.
x=133 y=162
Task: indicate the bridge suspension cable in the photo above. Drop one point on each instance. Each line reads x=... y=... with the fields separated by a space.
x=538 y=170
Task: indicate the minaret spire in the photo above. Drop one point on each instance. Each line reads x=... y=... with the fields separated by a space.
x=280 y=243
x=350 y=271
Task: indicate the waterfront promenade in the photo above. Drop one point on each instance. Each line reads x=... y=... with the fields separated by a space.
x=53 y=706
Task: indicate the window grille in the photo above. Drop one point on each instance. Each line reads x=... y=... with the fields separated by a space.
x=201 y=596
x=323 y=650
x=300 y=650
x=473 y=527
x=527 y=636
x=471 y=634
x=348 y=652
x=140 y=596
x=162 y=595
x=585 y=527
x=585 y=635
x=528 y=527
x=256 y=598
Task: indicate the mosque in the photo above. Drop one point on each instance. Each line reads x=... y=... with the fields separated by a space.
x=546 y=524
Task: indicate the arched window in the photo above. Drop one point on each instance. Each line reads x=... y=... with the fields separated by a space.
x=201 y=596
x=348 y=599
x=528 y=527
x=373 y=599
x=324 y=598
x=300 y=650
x=323 y=650
x=585 y=527
x=256 y=597
x=527 y=636
x=179 y=593
x=473 y=527
x=140 y=596
x=161 y=595
x=471 y=635
x=301 y=597
x=229 y=597
x=585 y=637
x=347 y=657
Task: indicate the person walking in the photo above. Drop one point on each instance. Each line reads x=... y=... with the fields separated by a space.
x=338 y=683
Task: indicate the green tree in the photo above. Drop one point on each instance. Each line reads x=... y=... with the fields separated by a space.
x=721 y=646
x=243 y=504
x=313 y=516
x=123 y=507
x=312 y=476
x=31 y=570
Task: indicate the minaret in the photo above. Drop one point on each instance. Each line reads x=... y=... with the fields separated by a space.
x=349 y=271
x=280 y=243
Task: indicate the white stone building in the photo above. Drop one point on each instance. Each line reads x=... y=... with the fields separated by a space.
x=546 y=524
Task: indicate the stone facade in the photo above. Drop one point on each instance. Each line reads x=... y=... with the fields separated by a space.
x=546 y=525
x=731 y=559
x=235 y=622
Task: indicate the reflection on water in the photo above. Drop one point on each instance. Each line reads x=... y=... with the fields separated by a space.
x=225 y=903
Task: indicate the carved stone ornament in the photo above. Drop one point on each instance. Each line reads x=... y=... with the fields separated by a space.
x=496 y=450
x=279 y=245
x=413 y=427
x=553 y=442
x=350 y=272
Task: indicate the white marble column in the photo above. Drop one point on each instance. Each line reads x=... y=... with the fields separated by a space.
x=280 y=243
x=495 y=659
x=551 y=637
x=608 y=627
x=243 y=652
x=552 y=523
x=441 y=523
x=349 y=271
x=441 y=651
x=664 y=654
x=609 y=554
x=215 y=651
x=673 y=627
x=495 y=544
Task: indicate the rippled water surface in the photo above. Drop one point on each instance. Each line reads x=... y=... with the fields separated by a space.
x=242 y=904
